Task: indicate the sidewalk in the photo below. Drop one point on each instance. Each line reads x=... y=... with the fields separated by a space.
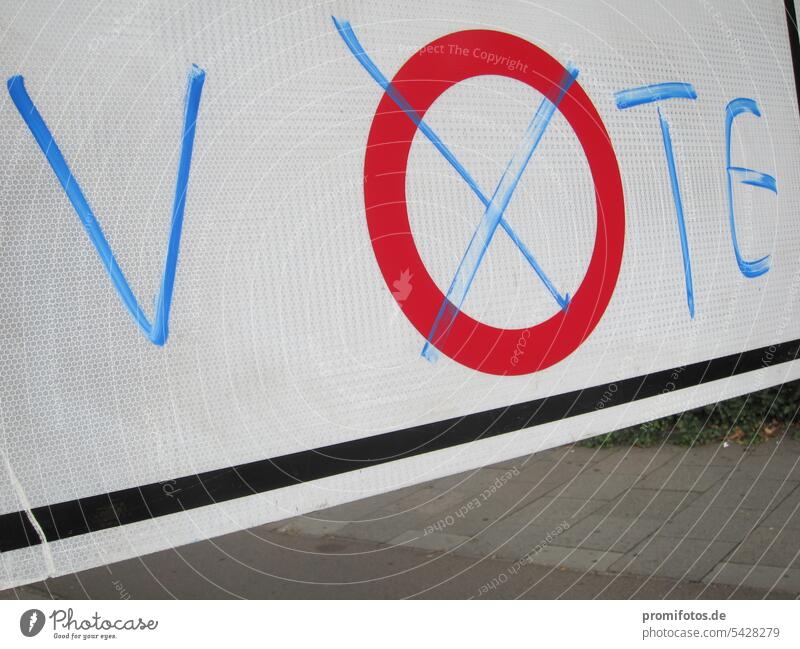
x=570 y=522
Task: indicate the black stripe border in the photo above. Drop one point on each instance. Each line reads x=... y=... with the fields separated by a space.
x=84 y=515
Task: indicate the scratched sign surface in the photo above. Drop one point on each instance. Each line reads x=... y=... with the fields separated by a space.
x=261 y=258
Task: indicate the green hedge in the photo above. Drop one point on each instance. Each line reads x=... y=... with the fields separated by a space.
x=750 y=419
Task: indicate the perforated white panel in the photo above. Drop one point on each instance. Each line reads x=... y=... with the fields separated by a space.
x=283 y=334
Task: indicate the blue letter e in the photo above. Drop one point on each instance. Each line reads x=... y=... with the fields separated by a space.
x=744 y=176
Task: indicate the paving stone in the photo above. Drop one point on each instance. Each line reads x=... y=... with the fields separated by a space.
x=787 y=513
x=493 y=501
x=546 y=473
x=651 y=504
x=462 y=481
x=714 y=454
x=763 y=493
x=428 y=508
x=574 y=558
x=33 y=592
x=635 y=461
x=719 y=523
x=426 y=500
x=432 y=502
x=569 y=453
x=511 y=542
x=438 y=542
x=782 y=442
x=777 y=466
x=584 y=454
x=329 y=520
x=788 y=445
x=468 y=524
x=470 y=516
x=767 y=546
x=555 y=454
x=555 y=508
x=687 y=559
x=515 y=499
x=358 y=509
x=597 y=485
x=310 y=526
x=758 y=469
x=475 y=482
x=383 y=528
x=474 y=515
x=762 y=577
x=603 y=532
x=678 y=475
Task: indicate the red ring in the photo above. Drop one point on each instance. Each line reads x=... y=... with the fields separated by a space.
x=421 y=80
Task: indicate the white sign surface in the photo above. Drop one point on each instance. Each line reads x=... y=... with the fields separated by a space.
x=255 y=261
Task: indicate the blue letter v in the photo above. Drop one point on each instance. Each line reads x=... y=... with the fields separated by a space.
x=158 y=331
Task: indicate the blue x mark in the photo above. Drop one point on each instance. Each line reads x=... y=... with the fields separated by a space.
x=494 y=207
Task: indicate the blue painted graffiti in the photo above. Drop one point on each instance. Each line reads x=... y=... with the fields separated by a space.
x=646 y=95
x=755 y=267
x=353 y=44
x=655 y=92
x=482 y=237
x=494 y=207
x=676 y=198
x=158 y=331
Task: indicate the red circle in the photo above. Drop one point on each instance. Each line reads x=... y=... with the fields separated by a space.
x=421 y=80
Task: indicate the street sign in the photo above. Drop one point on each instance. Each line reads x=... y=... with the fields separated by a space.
x=256 y=261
